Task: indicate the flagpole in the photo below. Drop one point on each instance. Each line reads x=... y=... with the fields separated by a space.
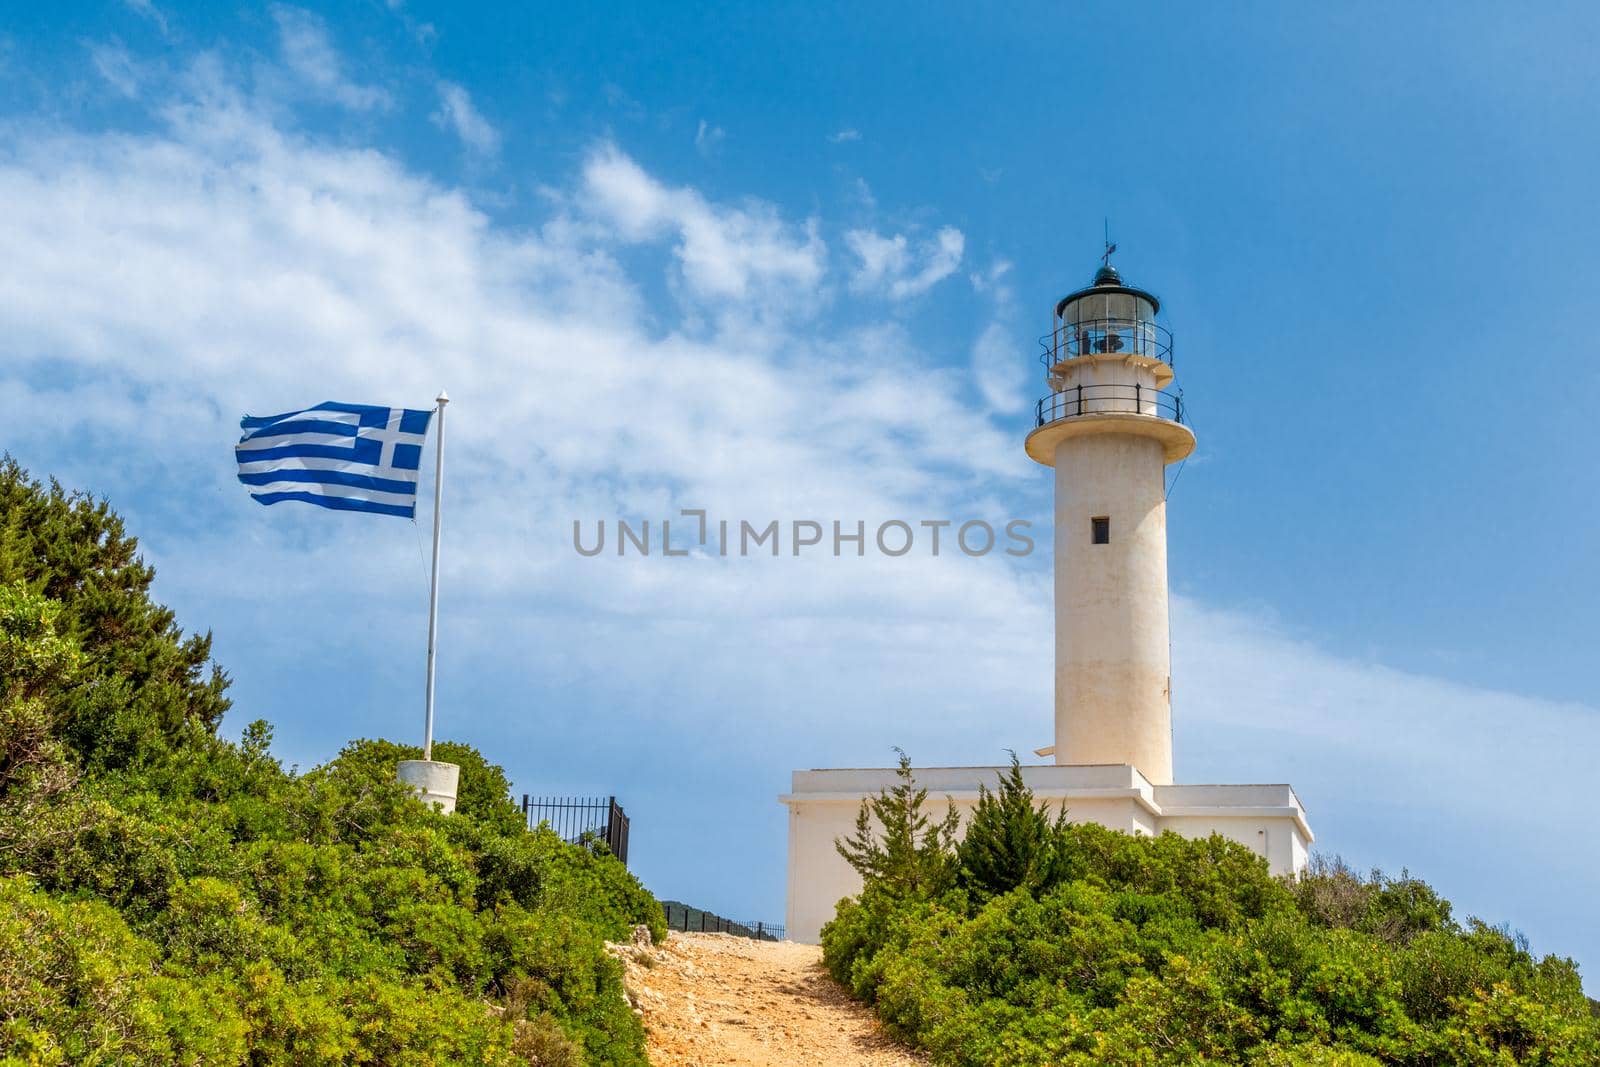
x=433 y=582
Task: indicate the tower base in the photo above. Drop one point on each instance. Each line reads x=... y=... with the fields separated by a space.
x=1268 y=819
x=434 y=782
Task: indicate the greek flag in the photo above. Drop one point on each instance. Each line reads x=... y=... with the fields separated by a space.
x=353 y=457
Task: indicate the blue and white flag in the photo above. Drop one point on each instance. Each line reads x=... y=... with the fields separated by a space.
x=354 y=457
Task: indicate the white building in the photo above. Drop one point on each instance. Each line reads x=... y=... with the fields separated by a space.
x=1109 y=429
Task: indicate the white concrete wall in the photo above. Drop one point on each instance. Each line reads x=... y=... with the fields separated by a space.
x=1109 y=383
x=1273 y=838
x=823 y=804
x=1113 y=663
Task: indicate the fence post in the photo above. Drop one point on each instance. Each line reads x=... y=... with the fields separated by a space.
x=758 y=931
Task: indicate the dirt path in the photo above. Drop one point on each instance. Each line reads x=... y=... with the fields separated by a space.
x=714 y=999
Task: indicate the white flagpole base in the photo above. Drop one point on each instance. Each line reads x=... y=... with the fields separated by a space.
x=435 y=783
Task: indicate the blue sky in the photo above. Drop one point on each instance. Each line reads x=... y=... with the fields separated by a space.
x=789 y=261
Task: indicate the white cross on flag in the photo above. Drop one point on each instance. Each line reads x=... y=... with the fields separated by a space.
x=353 y=457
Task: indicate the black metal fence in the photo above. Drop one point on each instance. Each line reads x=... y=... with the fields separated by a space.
x=580 y=819
x=1109 y=400
x=683 y=917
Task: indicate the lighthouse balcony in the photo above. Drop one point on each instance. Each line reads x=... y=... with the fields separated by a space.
x=1077 y=411
x=1105 y=337
x=1087 y=401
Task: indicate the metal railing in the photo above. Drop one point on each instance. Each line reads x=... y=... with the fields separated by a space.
x=580 y=820
x=1135 y=337
x=1090 y=400
x=683 y=917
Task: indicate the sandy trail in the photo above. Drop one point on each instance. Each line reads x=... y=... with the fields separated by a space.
x=715 y=999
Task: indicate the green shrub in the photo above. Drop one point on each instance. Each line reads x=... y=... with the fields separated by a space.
x=168 y=897
x=540 y=1040
x=909 y=854
x=547 y=963
x=1009 y=843
x=143 y=680
x=1092 y=946
x=483 y=793
x=1393 y=909
x=77 y=986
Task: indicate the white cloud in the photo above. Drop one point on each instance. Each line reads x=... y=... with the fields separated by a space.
x=457 y=114
x=996 y=364
x=999 y=362
x=888 y=264
x=157 y=285
x=225 y=266
x=707 y=137
x=844 y=136
x=1472 y=788
x=881 y=257
x=423 y=33
x=617 y=97
x=148 y=10
x=723 y=252
x=309 y=53
x=112 y=62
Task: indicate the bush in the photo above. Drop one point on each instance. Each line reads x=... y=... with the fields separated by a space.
x=546 y=963
x=1010 y=844
x=144 y=682
x=1074 y=944
x=909 y=856
x=167 y=897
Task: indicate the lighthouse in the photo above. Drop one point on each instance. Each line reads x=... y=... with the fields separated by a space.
x=1108 y=427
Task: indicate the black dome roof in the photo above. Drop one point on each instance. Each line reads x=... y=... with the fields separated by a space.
x=1107 y=280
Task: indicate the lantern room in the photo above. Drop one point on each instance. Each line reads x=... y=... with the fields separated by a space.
x=1107 y=318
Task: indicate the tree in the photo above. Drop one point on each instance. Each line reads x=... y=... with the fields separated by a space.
x=169 y=896
x=144 y=683
x=34 y=661
x=911 y=856
x=1009 y=842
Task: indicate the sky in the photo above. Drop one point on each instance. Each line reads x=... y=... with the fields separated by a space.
x=790 y=262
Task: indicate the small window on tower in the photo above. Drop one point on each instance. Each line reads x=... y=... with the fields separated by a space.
x=1101 y=525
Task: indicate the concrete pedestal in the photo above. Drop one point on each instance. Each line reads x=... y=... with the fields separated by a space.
x=434 y=782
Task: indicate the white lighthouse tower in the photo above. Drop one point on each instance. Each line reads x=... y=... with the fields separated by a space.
x=1109 y=427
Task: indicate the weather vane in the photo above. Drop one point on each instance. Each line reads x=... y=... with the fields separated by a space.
x=1110 y=248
